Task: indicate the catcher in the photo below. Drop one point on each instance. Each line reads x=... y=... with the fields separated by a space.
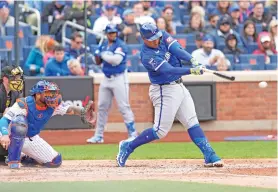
x=22 y=123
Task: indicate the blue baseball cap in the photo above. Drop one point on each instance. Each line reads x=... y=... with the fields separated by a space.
x=109 y=7
x=234 y=7
x=150 y=32
x=127 y=12
x=208 y=38
x=4 y=4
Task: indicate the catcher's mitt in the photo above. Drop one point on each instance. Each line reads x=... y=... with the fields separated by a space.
x=88 y=116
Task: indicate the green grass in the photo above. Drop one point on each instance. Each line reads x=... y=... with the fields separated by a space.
x=125 y=186
x=258 y=149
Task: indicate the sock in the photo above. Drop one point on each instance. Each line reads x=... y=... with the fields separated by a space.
x=130 y=127
x=198 y=137
x=146 y=136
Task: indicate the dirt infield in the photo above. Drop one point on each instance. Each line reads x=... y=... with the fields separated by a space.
x=79 y=137
x=256 y=172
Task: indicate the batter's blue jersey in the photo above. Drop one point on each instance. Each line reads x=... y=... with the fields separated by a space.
x=152 y=59
x=118 y=47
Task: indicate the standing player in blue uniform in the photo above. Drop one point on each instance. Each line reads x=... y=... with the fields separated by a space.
x=22 y=123
x=161 y=55
x=112 y=55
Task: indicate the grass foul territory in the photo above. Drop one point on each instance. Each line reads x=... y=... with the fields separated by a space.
x=258 y=149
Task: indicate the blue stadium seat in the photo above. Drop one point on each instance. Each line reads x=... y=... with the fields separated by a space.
x=133 y=49
x=133 y=62
x=180 y=29
x=7 y=42
x=91 y=39
x=271 y=66
x=273 y=58
x=246 y=67
x=26 y=51
x=25 y=30
x=256 y=61
x=44 y=28
x=185 y=39
x=259 y=28
x=141 y=68
x=93 y=18
x=252 y=47
x=32 y=40
x=190 y=47
x=185 y=19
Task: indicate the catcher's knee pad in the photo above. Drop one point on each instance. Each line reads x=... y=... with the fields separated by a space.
x=56 y=162
x=19 y=128
x=192 y=122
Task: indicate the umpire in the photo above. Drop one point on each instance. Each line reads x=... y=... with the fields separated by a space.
x=11 y=85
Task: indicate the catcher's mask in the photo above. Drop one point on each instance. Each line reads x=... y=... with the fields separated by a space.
x=15 y=76
x=49 y=92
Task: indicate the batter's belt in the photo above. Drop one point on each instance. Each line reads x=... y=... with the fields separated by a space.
x=173 y=82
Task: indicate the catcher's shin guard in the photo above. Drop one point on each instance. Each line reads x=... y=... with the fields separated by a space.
x=19 y=129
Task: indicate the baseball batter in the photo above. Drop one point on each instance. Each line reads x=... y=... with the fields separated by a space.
x=161 y=55
x=22 y=123
x=112 y=55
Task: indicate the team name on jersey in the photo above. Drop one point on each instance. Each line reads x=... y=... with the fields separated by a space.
x=167 y=56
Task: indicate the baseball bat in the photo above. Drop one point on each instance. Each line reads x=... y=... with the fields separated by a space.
x=231 y=78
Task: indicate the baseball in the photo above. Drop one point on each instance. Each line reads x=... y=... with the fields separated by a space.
x=263 y=84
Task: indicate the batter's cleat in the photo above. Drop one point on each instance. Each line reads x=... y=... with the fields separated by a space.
x=213 y=161
x=124 y=152
x=95 y=139
x=14 y=165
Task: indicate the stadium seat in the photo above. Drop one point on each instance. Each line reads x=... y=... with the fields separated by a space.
x=184 y=39
x=32 y=40
x=256 y=61
x=133 y=49
x=271 y=66
x=246 y=67
x=44 y=28
x=180 y=29
x=133 y=62
x=273 y=58
x=26 y=51
x=91 y=39
x=7 y=42
x=24 y=32
x=190 y=47
x=92 y=19
x=186 y=19
x=252 y=47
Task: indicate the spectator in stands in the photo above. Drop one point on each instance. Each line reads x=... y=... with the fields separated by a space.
x=271 y=5
x=140 y=17
x=31 y=17
x=57 y=19
x=129 y=30
x=148 y=9
x=234 y=12
x=194 y=3
x=200 y=10
x=273 y=30
x=5 y=18
x=75 y=67
x=259 y=16
x=207 y=55
x=244 y=10
x=224 y=28
x=49 y=50
x=221 y=8
x=249 y=34
x=162 y=24
x=75 y=13
x=196 y=24
x=167 y=13
x=232 y=48
x=75 y=49
x=213 y=20
x=107 y=18
x=34 y=64
x=57 y=66
x=199 y=39
x=265 y=46
x=223 y=65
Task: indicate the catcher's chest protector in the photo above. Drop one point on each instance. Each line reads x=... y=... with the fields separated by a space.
x=36 y=118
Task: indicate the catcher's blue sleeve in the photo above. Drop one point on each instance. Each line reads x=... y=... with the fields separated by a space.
x=4 y=124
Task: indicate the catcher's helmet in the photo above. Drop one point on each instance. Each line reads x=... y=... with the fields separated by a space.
x=110 y=28
x=150 y=32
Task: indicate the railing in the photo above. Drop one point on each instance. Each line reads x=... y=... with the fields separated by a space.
x=80 y=27
x=24 y=8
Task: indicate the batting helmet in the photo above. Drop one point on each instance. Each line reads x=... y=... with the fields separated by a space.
x=150 y=32
x=110 y=28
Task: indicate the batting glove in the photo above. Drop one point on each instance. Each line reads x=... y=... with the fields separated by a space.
x=195 y=63
x=196 y=71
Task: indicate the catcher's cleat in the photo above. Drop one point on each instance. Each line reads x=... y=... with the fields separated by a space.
x=28 y=161
x=213 y=161
x=95 y=139
x=14 y=165
x=124 y=152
